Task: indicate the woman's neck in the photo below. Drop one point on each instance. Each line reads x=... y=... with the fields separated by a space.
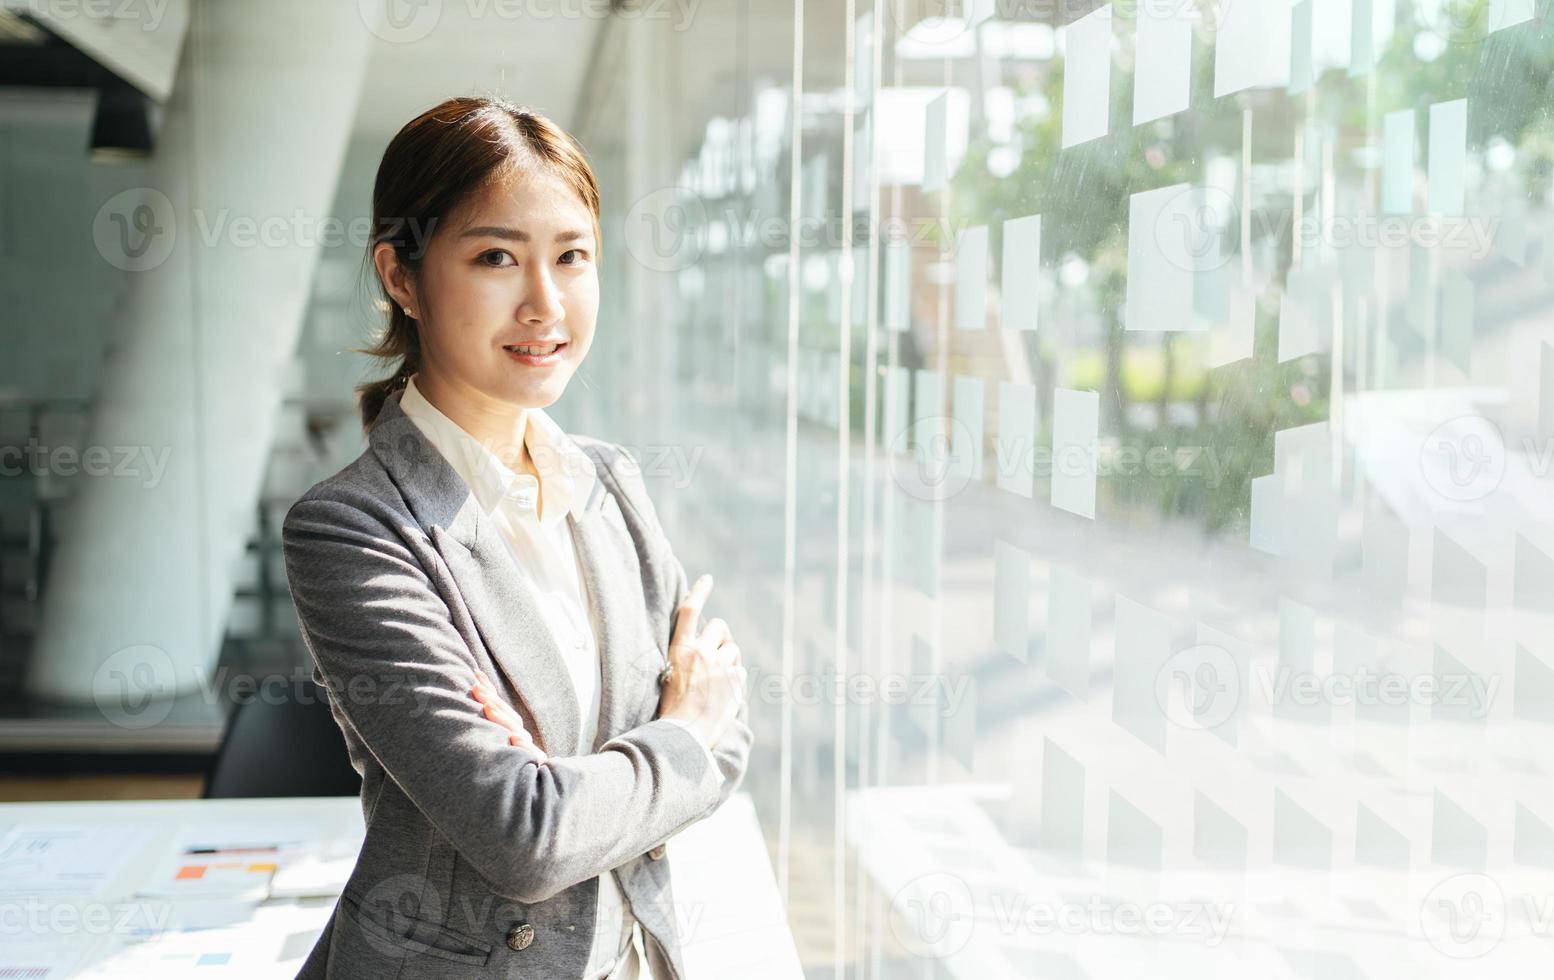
x=495 y=424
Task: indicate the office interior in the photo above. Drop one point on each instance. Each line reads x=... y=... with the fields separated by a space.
x=1120 y=433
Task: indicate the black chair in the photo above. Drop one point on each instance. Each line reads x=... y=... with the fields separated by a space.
x=293 y=748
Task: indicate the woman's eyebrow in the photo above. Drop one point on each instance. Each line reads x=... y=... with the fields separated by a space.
x=518 y=234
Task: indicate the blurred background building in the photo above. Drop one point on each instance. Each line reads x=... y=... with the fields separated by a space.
x=1121 y=433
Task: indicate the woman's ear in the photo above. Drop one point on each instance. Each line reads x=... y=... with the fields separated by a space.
x=394 y=276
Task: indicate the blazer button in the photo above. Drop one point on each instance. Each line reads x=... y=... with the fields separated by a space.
x=657 y=853
x=520 y=936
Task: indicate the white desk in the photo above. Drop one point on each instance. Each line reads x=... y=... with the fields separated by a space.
x=97 y=923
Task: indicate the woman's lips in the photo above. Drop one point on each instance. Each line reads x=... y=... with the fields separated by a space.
x=536 y=360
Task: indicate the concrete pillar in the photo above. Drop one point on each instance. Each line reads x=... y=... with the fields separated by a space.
x=221 y=243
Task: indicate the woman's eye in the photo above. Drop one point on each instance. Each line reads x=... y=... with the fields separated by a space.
x=486 y=256
x=578 y=255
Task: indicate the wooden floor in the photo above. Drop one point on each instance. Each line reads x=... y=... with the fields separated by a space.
x=38 y=789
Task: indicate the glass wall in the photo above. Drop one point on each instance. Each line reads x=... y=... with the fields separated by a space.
x=1121 y=436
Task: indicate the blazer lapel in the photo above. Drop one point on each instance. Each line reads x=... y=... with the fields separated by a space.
x=629 y=663
x=510 y=624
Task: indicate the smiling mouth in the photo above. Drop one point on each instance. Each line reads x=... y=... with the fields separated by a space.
x=535 y=355
x=533 y=350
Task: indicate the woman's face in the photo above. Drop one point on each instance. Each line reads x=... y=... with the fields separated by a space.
x=514 y=267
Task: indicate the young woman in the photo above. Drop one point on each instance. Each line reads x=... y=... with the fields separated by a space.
x=508 y=641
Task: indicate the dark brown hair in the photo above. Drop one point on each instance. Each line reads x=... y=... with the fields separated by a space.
x=432 y=166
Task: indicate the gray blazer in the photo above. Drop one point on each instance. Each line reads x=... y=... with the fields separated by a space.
x=479 y=861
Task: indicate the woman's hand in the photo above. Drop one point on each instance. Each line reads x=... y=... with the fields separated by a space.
x=502 y=713
x=706 y=684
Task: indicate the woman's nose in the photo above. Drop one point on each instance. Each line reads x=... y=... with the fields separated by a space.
x=542 y=301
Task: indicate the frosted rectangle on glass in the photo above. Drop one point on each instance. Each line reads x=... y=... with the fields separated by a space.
x=898 y=381
x=1231 y=339
x=1252 y=48
x=1222 y=694
x=1508 y=13
x=1062 y=801
x=935 y=144
x=1087 y=66
x=1299 y=838
x=923 y=535
x=1384 y=555
x=1301 y=68
x=1362 y=39
x=1457 y=576
x=1456 y=837
x=1132 y=838
x=1068 y=631
x=1143 y=647
x=1019 y=297
x=816 y=186
x=1163 y=60
x=1377 y=842
x=1163 y=238
x=1546 y=389
x=1397 y=162
x=1457 y=295
x=1016 y=437
x=1219 y=840
x=1011 y=599
x=1448 y=156
x=1075 y=427
x=862 y=168
x=966 y=440
x=1303 y=308
x=898 y=285
x=927 y=405
x=1267 y=495
x=860 y=285
x=958 y=716
x=971 y=278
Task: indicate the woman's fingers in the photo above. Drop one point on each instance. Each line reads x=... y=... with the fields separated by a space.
x=715 y=635
x=507 y=718
x=522 y=742
x=690 y=610
x=498 y=711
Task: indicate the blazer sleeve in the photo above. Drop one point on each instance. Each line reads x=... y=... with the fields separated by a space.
x=375 y=624
x=732 y=751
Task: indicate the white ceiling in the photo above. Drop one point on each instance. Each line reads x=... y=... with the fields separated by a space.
x=474 y=48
